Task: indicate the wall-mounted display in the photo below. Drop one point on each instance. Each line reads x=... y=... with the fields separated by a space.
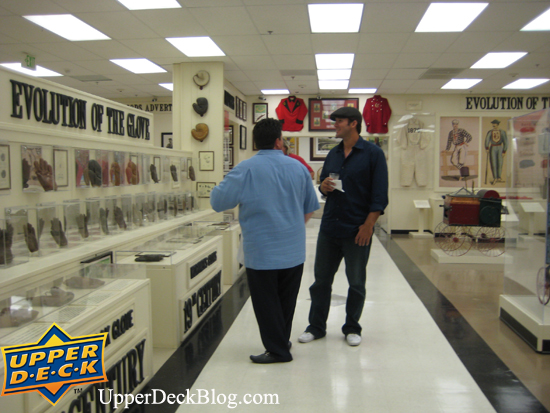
x=191 y=169
x=200 y=132
x=238 y=107
x=291 y=112
x=228 y=99
x=206 y=160
x=244 y=111
x=228 y=135
x=242 y=137
x=321 y=109
x=204 y=189
x=37 y=172
x=319 y=147
x=201 y=78
x=230 y=157
x=167 y=140
x=259 y=112
x=82 y=157
x=201 y=106
x=132 y=169
x=377 y=113
x=5 y=174
x=156 y=169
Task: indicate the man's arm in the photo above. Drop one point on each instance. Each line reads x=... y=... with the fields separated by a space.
x=227 y=194
x=364 y=235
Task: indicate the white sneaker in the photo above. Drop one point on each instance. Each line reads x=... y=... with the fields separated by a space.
x=353 y=339
x=306 y=337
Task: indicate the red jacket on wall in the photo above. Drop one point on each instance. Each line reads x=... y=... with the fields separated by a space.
x=291 y=113
x=377 y=113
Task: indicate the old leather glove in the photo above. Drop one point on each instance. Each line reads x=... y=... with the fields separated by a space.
x=57 y=233
x=154 y=175
x=26 y=173
x=192 y=173
x=6 y=239
x=174 y=172
x=94 y=173
x=30 y=238
x=132 y=174
x=115 y=173
x=44 y=173
x=105 y=172
x=82 y=222
x=137 y=216
x=119 y=218
x=103 y=215
x=200 y=132
x=201 y=106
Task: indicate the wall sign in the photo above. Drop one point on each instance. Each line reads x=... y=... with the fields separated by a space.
x=501 y=103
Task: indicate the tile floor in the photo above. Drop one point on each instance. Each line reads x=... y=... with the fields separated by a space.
x=424 y=350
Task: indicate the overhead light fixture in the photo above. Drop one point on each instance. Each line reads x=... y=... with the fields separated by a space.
x=333 y=84
x=334 y=74
x=39 y=72
x=541 y=23
x=362 y=91
x=138 y=65
x=525 y=83
x=334 y=60
x=449 y=17
x=275 y=91
x=497 y=60
x=150 y=4
x=169 y=86
x=335 y=18
x=196 y=46
x=461 y=83
x=68 y=26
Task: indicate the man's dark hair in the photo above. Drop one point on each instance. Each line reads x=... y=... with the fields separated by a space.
x=358 y=126
x=266 y=132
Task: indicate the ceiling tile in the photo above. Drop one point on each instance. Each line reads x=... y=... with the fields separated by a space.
x=382 y=42
x=415 y=60
x=374 y=61
x=335 y=43
x=171 y=22
x=279 y=44
x=254 y=62
x=294 y=62
x=246 y=45
x=429 y=42
x=224 y=20
x=290 y=19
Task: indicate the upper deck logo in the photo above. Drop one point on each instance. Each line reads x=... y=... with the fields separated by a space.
x=54 y=364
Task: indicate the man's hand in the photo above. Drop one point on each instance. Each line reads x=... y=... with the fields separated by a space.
x=364 y=235
x=327 y=185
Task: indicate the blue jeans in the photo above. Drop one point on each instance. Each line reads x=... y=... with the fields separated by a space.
x=328 y=256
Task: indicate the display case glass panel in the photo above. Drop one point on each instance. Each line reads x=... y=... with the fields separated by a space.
x=16 y=232
x=10 y=254
x=126 y=204
x=75 y=221
x=39 y=230
x=93 y=214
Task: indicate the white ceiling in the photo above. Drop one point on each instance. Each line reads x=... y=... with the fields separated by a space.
x=389 y=56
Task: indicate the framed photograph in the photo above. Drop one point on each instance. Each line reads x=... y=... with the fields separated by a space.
x=206 y=160
x=237 y=107
x=293 y=142
x=245 y=110
x=5 y=175
x=241 y=110
x=204 y=189
x=230 y=155
x=320 y=110
x=229 y=134
x=228 y=99
x=259 y=112
x=320 y=147
x=242 y=137
x=60 y=167
x=167 y=140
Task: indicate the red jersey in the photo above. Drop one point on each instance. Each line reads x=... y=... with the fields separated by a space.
x=377 y=113
x=291 y=113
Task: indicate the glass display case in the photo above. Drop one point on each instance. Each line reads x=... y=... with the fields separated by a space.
x=191 y=204
x=524 y=303
x=145 y=169
x=37 y=169
x=116 y=171
x=17 y=233
x=115 y=222
x=93 y=215
x=41 y=220
x=82 y=161
x=172 y=205
x=61 y=299
x=126 y=204
x=10 y=255
x=162 y=206
x=150 y=209
x=75 y=221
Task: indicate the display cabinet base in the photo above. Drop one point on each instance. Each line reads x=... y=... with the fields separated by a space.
x=525 y=324
x=420 y=235
x=471 y=257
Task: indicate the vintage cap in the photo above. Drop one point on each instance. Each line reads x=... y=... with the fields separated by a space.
x=496 y=121
x=347 y=112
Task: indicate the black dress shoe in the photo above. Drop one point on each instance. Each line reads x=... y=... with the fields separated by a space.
x=267 y=358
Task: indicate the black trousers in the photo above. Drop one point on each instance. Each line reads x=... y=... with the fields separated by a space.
x=274 y=294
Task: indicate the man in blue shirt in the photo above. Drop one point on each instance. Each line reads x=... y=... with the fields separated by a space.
x=276 y=198
x=348 y=223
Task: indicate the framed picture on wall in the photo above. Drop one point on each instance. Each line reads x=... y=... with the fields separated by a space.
x=230 y=157
x=237 y=107
x=166 y=139
x=320 y=110
x=61 y=167
x=259 y=112
x=244 y=110
x=206 y=160
x=319 y=147
x=229 y=134
x=5 y=175
x=204 y=189
x=242 y=137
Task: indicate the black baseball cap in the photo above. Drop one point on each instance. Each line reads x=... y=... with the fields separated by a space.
x=347 y=112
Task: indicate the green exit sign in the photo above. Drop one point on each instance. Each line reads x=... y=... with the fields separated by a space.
x=29 y=62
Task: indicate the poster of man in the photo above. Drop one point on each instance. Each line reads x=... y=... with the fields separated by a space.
x=459 y=151
x=496 y=147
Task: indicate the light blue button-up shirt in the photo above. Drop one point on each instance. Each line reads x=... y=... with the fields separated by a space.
x=273 y=192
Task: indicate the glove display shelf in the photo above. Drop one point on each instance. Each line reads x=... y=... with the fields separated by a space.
x=185 y=271
x=95 y=299
x=524 y=304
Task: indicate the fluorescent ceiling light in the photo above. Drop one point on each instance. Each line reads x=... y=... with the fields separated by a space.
x=67 y=26
x=540 y=23
x=525 y=83
x=334 y=60
x=275 y=91
x=461 y=83
x=339 y=74
x=150 y=4
x=39 y=72
x=169 y=86
x=449 y=17
x=138 y=65
x=497 y=60
x=335 y=18
x=361 y=91
x=196 y=46
x=333 y=84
